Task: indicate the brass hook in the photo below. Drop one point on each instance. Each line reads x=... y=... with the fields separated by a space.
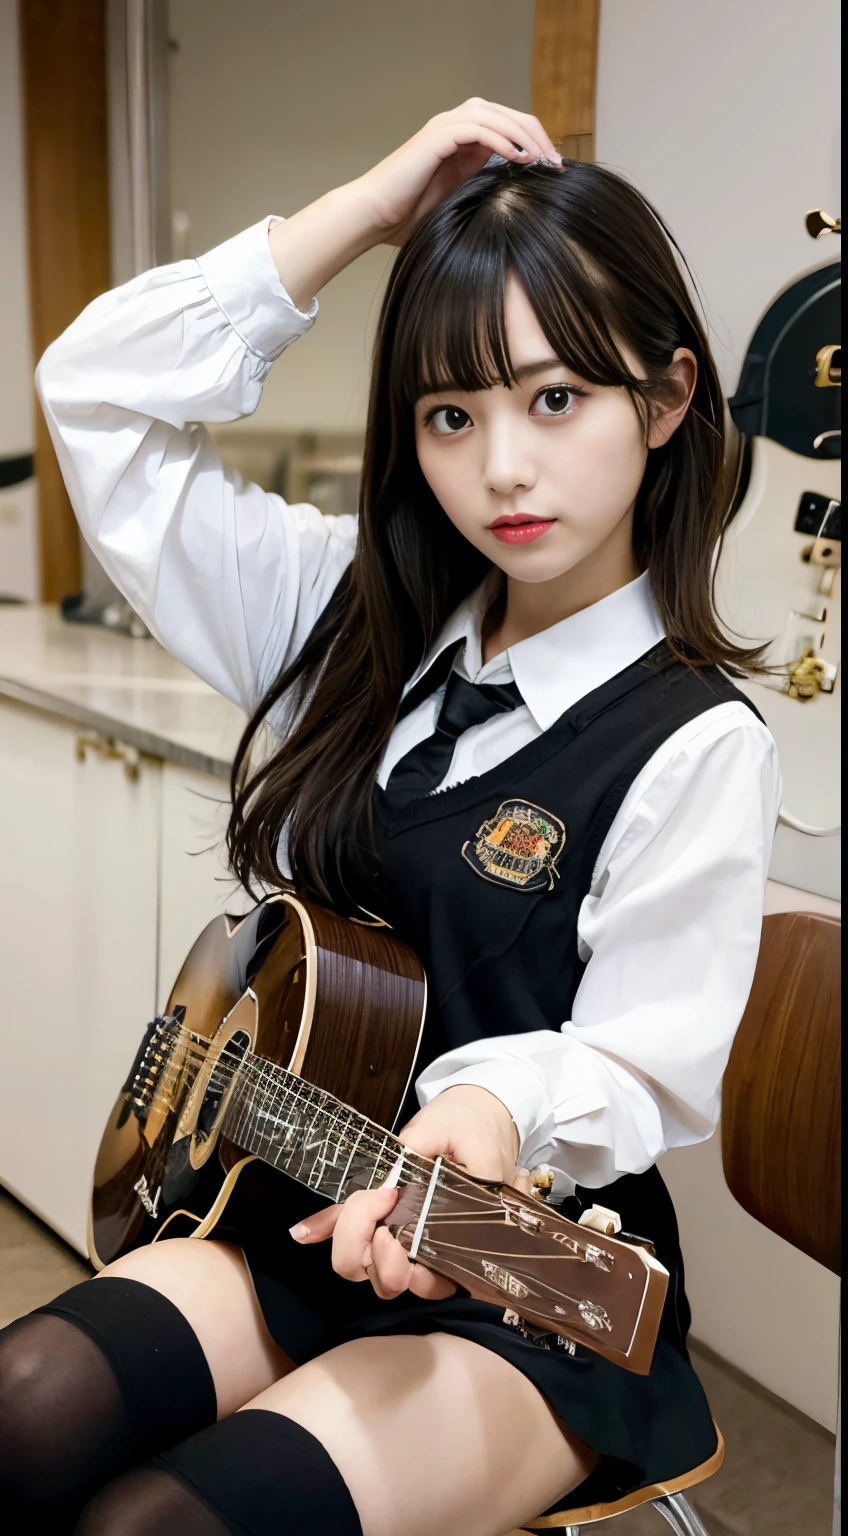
x=817 y=222
x=829 y=366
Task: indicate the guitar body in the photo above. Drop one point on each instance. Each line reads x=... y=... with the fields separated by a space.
x=339 y=1003
x=289 y=1043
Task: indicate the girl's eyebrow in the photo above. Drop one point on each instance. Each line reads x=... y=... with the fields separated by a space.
x=526 y=371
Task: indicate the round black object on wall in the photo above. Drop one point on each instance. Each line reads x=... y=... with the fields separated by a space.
x=777 y=396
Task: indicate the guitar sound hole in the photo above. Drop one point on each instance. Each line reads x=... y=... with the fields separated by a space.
x=220 y=1080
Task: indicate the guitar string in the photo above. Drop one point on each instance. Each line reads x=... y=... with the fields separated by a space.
x=301 y=1094
x=265 y=1077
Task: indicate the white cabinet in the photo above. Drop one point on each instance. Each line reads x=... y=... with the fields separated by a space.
x=107 y=879
x=79 y=855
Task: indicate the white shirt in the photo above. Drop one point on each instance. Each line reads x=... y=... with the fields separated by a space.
x=231 y=579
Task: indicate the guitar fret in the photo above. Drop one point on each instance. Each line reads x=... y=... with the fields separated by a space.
x=310 y=1134
x=377 y=1159
x=347 y=1167
x=328 y=1155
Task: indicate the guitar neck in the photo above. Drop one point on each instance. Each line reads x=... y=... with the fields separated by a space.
x=493 y=1241
x=311 y=1135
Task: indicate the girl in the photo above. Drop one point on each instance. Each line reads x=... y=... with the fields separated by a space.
x=517 y=629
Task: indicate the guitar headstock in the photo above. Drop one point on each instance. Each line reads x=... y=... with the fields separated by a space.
x=506 y=1248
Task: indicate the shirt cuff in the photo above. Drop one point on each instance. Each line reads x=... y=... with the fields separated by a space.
x=245 y=284
x=517 y=1087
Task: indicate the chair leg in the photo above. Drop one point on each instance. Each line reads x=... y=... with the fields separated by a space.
x=677 y=1510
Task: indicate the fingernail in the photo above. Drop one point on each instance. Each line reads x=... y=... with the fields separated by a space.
x=523 y=153
x=299 y=1232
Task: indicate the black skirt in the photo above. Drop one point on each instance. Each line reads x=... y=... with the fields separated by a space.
x=646 y=1429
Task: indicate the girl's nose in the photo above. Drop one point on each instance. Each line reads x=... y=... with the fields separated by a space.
x=508 y=467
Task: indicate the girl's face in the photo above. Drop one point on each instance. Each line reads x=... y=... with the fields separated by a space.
x=545 y=474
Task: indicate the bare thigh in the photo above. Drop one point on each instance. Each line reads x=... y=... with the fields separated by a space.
x=433 y=1433
x=210 y=1284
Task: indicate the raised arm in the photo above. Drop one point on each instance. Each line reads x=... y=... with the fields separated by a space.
x=229 y=578
x=214 y=566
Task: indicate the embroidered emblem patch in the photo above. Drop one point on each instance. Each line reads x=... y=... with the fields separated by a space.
x=519 y=846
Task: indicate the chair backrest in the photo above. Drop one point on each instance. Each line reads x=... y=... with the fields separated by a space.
x=781 y=1098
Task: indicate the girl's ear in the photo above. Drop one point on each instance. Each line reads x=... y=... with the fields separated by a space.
x=671 y=400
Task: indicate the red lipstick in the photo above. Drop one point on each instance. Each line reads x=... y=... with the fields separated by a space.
x=520 y=527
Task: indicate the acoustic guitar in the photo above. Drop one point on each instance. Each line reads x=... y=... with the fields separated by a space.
x=288 y=1043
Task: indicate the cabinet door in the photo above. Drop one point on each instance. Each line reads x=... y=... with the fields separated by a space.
x=196 y=883
x=79 y=852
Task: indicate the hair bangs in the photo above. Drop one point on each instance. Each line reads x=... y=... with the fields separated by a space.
x=578 y=306
x=452 y=328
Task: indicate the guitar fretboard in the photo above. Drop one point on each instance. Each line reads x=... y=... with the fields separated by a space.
x=309 y=1134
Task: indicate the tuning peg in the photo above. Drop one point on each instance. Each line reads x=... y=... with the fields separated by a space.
x=599 y=1219
x=542 y=1182
x=817 y=222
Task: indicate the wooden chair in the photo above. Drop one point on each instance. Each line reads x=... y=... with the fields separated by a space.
x=780 y=1142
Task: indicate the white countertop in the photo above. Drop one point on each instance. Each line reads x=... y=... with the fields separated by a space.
x=128 y=689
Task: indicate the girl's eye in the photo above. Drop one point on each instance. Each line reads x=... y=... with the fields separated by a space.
x=554 y=401
x=448 y=419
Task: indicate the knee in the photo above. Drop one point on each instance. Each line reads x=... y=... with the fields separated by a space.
x=144 y=1502
x=28 y=1382
x=42 y=1464
x=253 y=1473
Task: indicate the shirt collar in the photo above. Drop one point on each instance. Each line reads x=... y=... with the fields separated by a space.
x=560 y=665
x=465 y=623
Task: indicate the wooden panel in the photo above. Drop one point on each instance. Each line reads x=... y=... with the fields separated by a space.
x=63 y=63
x=564 y=73
x=782 y=1098
x=370 y=1003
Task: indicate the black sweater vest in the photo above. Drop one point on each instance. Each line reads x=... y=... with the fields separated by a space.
x=485 y=881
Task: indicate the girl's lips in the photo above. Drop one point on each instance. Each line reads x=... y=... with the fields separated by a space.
x=521 y=533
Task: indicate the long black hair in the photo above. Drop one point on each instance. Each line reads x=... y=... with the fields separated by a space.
x=602 y=273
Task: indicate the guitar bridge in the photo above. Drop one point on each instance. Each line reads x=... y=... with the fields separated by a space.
x=153 y=1057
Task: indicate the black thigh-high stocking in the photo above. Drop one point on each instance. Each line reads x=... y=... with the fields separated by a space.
x=253 y=1474
x=103 y=1376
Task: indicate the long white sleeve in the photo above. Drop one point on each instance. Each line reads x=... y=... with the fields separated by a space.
x=671 y=930
x=227 y=576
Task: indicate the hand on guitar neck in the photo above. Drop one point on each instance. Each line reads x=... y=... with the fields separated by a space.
x=467 y=1125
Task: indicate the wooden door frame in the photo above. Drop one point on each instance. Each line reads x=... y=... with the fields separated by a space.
x=564 y=73
x=63 y=70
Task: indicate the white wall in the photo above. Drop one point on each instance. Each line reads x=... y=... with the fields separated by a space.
x=726 y=115
x=272 y=105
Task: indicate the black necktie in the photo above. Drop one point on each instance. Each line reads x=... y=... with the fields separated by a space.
x=464 y=704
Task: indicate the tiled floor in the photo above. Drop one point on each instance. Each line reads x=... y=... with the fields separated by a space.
x=777 y=1476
